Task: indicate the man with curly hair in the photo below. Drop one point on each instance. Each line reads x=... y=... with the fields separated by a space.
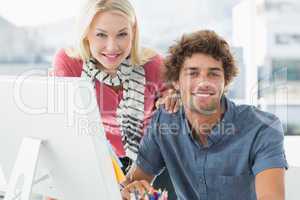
x=213 y=149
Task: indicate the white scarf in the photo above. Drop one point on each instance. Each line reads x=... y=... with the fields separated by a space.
x=130 y=112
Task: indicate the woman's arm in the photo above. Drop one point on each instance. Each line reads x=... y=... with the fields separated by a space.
x=65 y=65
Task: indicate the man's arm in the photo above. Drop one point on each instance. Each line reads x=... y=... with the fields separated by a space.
x=149 y=162
x=269 y=184
x=136 y=174
x=269 y=161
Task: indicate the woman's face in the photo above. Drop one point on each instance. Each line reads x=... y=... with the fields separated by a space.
x=110 y=39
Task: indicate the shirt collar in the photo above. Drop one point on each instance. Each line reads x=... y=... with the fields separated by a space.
x=222 y=128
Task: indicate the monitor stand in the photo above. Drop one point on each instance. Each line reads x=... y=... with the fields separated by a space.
x=22 y=177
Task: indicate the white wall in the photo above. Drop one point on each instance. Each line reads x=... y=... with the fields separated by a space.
x=292 y=149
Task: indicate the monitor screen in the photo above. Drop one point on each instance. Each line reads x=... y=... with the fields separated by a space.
x=74 y=160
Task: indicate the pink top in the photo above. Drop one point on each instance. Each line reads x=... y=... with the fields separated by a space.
x=108 y=99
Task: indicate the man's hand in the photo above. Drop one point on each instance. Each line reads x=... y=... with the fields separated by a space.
x=140 y=187
x=136 y=180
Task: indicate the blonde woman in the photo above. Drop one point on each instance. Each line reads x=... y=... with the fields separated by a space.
x=127 y=79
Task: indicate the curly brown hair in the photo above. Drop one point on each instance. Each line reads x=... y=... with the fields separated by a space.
x=206 y=42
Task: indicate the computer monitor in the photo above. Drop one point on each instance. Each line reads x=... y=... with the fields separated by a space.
x=57 y=121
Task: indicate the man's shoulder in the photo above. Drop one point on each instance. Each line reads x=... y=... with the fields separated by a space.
x=162 y=115
x=165 y=121
x=251 y=115
x=165 y=126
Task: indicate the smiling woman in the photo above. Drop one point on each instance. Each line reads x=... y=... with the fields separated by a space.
x=126 y=78
x=108 y=54
x=110 y=38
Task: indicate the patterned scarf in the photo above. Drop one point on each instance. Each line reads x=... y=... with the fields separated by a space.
x=130 y=112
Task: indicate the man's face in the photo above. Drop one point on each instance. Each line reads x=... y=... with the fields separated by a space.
x=201 y=84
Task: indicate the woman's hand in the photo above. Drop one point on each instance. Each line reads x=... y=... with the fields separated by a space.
x=170 y=100
x=139 y=188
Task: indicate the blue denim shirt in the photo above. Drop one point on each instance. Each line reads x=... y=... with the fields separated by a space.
x=245 y=142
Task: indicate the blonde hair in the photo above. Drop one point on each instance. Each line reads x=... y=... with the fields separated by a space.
x=92 y=8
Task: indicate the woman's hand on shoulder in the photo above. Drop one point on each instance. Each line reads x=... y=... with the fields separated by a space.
x=170 y=99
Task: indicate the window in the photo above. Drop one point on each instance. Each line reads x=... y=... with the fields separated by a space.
x=287 y=39
x=286 y=69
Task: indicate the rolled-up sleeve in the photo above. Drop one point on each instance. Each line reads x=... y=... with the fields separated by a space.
x=149 y=157
x=268 y=148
